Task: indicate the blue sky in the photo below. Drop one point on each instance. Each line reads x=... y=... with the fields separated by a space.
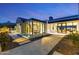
x=10 y=12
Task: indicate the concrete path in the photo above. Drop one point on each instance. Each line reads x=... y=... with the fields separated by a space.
x=38 y=47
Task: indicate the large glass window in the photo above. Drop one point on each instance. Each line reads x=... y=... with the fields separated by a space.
x=30 y=28
x=38 y=27
x=35 y=27
x=66 y=27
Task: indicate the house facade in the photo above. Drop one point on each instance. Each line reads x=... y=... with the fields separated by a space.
x=64 y=25
x=60 y=25
x=30 y=26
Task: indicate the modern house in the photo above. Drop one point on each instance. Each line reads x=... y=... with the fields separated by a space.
x=60 y=25
x=30 y=26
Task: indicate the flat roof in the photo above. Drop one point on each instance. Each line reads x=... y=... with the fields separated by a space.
x=68 y=18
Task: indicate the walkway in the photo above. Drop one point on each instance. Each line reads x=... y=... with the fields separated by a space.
x=38 y=47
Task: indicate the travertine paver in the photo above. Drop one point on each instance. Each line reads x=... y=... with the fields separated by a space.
x=38 y=47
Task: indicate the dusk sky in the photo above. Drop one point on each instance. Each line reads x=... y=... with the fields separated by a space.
x=10 y=12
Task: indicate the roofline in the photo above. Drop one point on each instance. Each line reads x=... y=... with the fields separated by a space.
x=28 y=19
x=37 y=20
x=77 y=18
x=63 y=21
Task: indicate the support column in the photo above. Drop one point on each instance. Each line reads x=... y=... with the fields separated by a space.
x=32 y=27
x=45 y=28
x=42 y=27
